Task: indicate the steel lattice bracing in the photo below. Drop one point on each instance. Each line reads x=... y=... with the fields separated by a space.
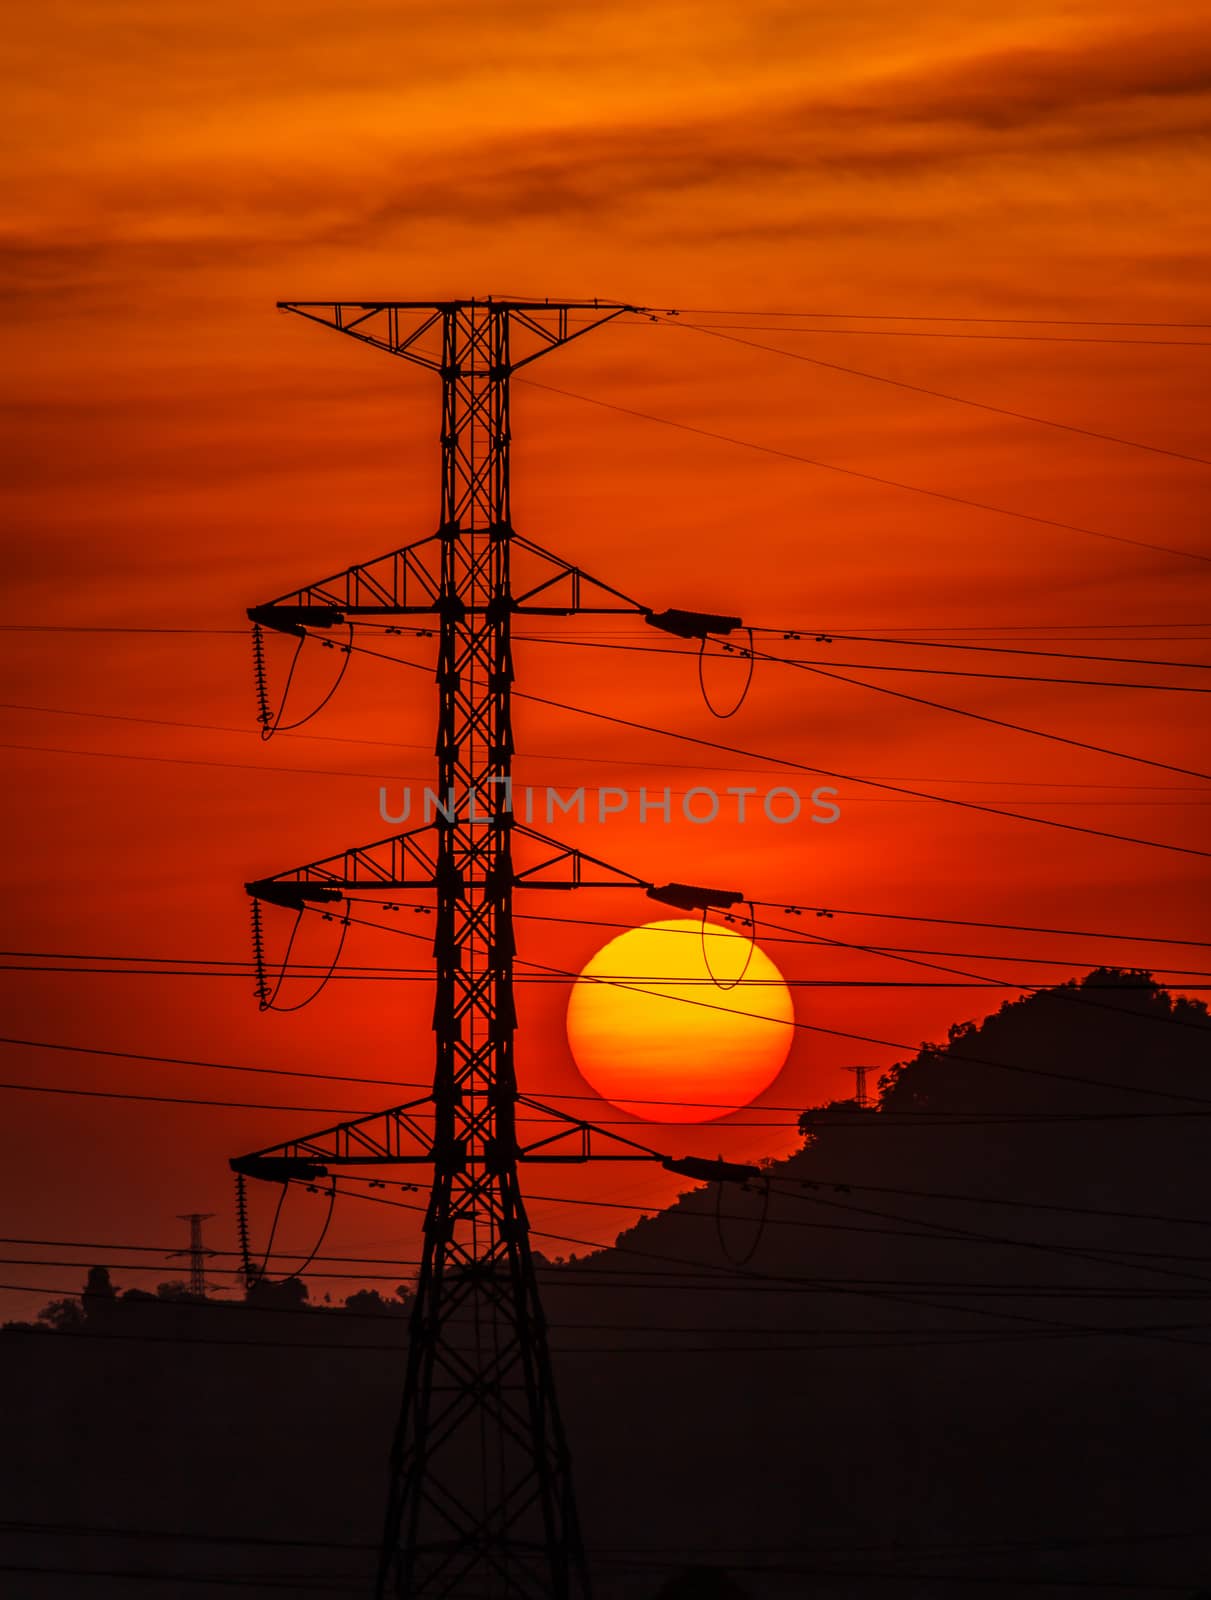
x=481 y=1499
x=197 y=1251
x=478 y=1382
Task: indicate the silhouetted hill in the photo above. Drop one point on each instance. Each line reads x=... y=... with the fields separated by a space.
x=958 y=1340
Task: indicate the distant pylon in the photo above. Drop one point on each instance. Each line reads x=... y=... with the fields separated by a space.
x=196 y=1251
x=860 y=1094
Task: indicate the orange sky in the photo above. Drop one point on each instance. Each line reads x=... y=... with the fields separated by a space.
x=175 y=450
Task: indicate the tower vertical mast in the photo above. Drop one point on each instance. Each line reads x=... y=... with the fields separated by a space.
x=478 y=1351
x=197 y=1251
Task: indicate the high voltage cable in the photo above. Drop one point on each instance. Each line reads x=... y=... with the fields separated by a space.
x=796 y=938
x=1002 y=927
x=983 y=649
x=191 y=761
x=748 y=1275
x=558 y=976
x=848 y=633
x=404 y=777
x=952 y=1233
x=328 y=772
x=823 y=772
x=677 y=999
x=889 y=1117
x=1101 y=1213
x=979 y=716
x=938 y=1232
x=308 y=1583
x=82 y=627
x=1014 y=1291
x=792 y=1188
x=336 y=1111
x=937 y=333
x=635 y=1282
x=1047 y=1542
x=868 y=477
x=740 y=652
x=840 y=1033
x=890 y=316
x=812 y=1190
x=867 y=1340
x=937 y=394
x=1069 y=995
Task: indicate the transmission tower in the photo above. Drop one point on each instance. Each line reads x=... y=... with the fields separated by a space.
x=480 y=1501
x=196 y=1250
x=860 y=1094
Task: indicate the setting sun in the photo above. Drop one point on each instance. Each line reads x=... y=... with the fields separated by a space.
x=646 y=1051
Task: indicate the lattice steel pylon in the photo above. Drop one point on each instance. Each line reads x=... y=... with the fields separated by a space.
x=480 y=1503
x=196 y=1251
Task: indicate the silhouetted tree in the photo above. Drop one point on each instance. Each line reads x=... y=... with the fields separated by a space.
x=288 y=1292
x=174 y=1289
x=64 y=1316
x=369 y=1300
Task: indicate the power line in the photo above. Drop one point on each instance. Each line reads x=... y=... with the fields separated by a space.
x=867 y=1288
x=739 y=652
x=883 y=1117
x=938 y=333
x=560 y=975
x=1064 y=992
x=1051 y=1541
x=828 y=635
x=980 y=716
x=941 y=1235
x=823 y=772
x=1101 y=1213
x=794 y=937
x=167 y=722
x=178 y=1100
x=938 y=394
x=80 y=627
x=885 y=316
x=863 y=1038
x=223 y=1580
x=1001 y=927
x=870 y=477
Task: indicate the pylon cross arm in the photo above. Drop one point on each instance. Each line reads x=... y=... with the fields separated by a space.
x=408 y=582
x=404 y=582
x=401 y=861
x=408 y=861
x=402 y=1135
x=402 y=327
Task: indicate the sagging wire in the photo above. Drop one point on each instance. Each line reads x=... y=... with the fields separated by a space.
x=271 y=721
x=254 y=1275
x=748 y=682
x=742 y=1261
x=319 y=1243
x=266 y=998
x=752 y=945
x=277 y=1217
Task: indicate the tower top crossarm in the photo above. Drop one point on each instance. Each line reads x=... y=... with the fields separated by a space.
x=401 y=327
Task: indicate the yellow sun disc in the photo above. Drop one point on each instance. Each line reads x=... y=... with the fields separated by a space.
x=638 y=1043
